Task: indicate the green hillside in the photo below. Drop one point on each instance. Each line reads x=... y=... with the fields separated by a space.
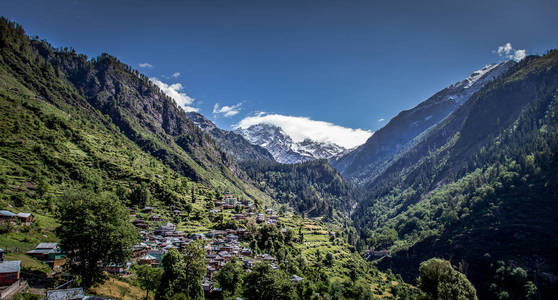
x=124 y=113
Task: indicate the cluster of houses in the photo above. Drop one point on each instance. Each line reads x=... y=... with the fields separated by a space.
x=11 y=282
x=10 y=271
x=230 y=202
x=155 y=244
x=221 y=245
x=49 y=253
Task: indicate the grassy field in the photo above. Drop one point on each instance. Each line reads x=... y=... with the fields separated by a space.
x=117 y=289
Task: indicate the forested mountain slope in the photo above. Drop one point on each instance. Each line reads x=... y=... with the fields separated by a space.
x=312 y=188
x=480 y=189
x=107 y=106
x=108 y=96
x=370 y=159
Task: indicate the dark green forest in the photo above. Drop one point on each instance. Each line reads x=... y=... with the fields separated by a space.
x=312 y=188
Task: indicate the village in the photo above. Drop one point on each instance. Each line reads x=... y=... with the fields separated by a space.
x=220 y=245
x=158 y=234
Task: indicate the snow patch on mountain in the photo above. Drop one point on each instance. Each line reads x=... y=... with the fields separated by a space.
x=283 y=148
x=464 y=89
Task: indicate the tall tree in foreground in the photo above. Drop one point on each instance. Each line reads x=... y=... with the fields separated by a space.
x=94 y=231
x=439 y=281
x=229 y=277
x=173 y=266
x=194 y=264
x=183 y=274
x=148 y=278
x=264 y=283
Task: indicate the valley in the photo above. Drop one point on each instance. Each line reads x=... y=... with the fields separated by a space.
x=109 y=188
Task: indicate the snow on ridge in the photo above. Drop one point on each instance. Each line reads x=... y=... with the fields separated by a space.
x=462 y=90
x=475 y=76
x=283 y=148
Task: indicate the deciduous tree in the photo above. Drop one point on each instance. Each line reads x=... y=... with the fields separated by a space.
x=439 y=281
x=94 y=232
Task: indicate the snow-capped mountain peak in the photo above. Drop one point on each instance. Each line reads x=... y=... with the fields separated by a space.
x=283 y=148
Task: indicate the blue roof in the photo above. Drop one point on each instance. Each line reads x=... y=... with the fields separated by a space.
x=7 y=213
x=47 y=246
x=11 y=266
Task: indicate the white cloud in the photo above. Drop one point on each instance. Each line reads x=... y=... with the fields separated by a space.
x=508 y=52
x=505 y=50
x=301 y=128
x=174 y=91
x=175 y=74
x=146 y=65
x=227 y=111
x=381 y=119
x=519 y=55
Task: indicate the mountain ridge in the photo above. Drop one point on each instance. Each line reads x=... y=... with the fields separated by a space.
x=371 y=158
x=127 y=99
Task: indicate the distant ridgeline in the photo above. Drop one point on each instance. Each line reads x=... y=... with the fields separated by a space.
x=480 y=188
x=232 y=143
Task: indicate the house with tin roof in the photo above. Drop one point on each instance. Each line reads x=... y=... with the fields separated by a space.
x=9 y=272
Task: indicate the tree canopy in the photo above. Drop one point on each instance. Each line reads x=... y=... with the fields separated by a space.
x=230 y=276
x=148 y=278
x=94 y=231
x=439 y=281
x=266 y=283
x=183 y=273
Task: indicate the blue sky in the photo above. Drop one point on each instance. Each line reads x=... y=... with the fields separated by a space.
x=349 y=63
